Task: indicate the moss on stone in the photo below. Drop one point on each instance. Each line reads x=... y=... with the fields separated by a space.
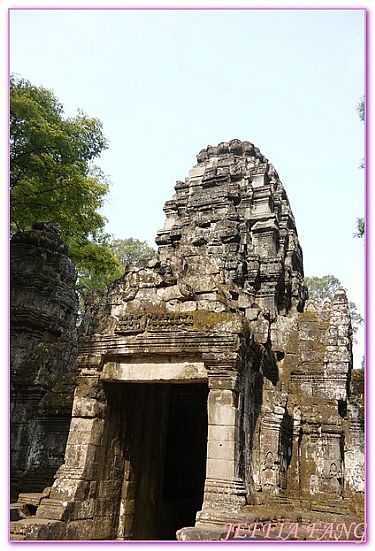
x=308 y=316
x=60 y=397
x=357 y=390
x=316 y=330
x=292 y=344
x=157 y=309
x=204 y=320
x=26 y=373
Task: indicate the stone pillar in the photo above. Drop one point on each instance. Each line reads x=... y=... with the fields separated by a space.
x=224 y=492
x=293 y=474
x=270 y=453
x=72 y=494
x=321 y=462
x=354 y=451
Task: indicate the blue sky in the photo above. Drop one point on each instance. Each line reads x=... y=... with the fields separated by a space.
x=165 y=84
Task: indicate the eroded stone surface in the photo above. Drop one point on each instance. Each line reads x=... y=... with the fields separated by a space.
x=242 y=406
x=43 y=353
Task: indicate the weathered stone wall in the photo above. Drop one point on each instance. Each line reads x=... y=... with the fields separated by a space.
x=310 y=434
x=43 y=352
x=231 y=219
x=223 y=305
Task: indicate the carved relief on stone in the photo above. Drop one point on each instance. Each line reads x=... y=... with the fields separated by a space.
x=334 y=479
x=186 y=290
x=130 y=288
x=153 y=321
x=131 y=323
x=44 y=308
x=270 y=473
x=169 y=322
x=227 y=289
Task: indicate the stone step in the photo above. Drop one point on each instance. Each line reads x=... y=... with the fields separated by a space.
x=35 y=528
x=30 y=498
x=266 y=499
x=52 y=509
x=334 y=508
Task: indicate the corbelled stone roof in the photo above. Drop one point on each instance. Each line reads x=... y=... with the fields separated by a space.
x=233 y=211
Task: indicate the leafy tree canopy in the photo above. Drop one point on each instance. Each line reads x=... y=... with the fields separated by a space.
x=53 y=178
x=361 y=109
x=360 y=227
x=360 y=221
x=324 y=287
x=132 y=250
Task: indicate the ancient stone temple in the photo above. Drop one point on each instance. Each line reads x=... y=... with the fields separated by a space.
x=43 y=353
x=210 y=390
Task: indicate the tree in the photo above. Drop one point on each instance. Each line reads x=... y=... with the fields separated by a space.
x=361 y=109
x=360 y=221
x=132 y=250
x=100 y=267
x=360 y=227
x=53 y=178
x=324 y=287
x=125 y=251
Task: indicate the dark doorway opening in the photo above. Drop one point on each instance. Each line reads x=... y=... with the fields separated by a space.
x=165 y=447
x=185 y=454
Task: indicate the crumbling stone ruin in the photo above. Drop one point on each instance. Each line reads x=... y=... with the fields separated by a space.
x=43 y=353
x=210 y=390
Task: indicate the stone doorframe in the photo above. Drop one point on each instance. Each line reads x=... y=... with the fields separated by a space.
x=182 y=357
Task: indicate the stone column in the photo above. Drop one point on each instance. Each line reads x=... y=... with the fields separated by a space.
x=293 y=473
x=72 y=494
x=321 y=467
x=270 y=452
x=354 y=452
x=224 y=491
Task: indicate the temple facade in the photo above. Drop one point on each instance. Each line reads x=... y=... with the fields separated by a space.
x=210 y=390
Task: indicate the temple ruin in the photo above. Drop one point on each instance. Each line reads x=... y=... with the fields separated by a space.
x=210 y=390
x=43 y=354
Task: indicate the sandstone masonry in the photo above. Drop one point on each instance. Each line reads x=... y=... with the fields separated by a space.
x=210 y=390
x=43 y=353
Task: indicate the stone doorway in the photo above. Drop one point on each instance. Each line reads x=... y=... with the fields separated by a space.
x=164 y=444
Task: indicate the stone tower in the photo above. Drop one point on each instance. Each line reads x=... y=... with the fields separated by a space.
x=43 y=342
x=209 y=391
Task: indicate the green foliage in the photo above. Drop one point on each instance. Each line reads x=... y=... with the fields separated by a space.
x=360 y=221
x=357 y=319
x=132 y=250
x=98 y=267
x=357 y=393
x=361 y=109
x=360 y=228
x=324 y=287
x=321 y=288
x=53 y=178
x=99 y=258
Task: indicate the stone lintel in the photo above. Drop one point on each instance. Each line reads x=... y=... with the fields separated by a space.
x=179 y=342
x=155 y=372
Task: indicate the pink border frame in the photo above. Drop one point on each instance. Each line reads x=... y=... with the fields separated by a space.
x=367 y=209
